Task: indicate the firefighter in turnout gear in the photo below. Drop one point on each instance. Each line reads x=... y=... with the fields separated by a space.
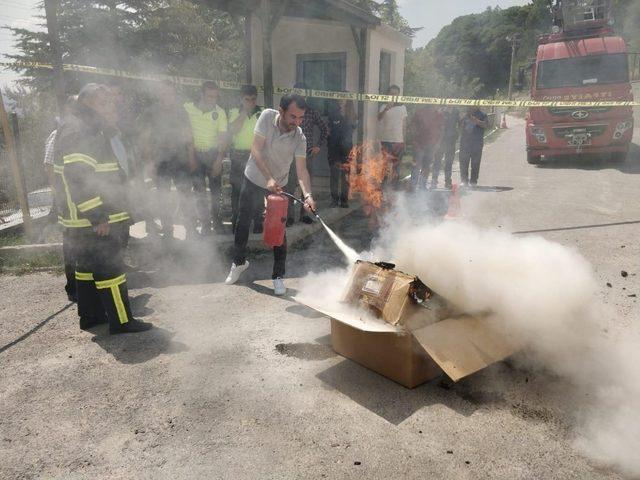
x=93 y=206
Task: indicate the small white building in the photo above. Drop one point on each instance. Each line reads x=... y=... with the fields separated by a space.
x=324 y=55
x=325 y=44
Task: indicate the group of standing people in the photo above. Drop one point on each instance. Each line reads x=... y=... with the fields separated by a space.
x=433 y=133
x=101 y=154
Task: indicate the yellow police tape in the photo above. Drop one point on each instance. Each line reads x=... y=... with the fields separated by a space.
x=366 y=97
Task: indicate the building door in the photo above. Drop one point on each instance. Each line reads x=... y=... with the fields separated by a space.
x=322 y=71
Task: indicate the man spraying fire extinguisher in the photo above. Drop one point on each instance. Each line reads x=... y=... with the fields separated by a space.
x=278 y=141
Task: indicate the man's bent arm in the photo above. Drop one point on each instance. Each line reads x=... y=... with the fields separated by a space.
x=304 y=179
x=257 y=147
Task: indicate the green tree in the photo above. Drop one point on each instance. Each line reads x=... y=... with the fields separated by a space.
x=472 y=55
x=389 y=14
x=164 y=36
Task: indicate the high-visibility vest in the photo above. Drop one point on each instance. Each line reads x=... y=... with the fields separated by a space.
x=244 y=138
x=206 y=126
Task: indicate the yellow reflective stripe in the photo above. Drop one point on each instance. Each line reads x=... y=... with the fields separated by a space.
x=119 y=217
x=79 y=157
x=73 y=212
x=85 y=277
x=58 y=169
x=112 y=282
x=107 y=167
x=83 y=222
x=117 y=299
x=70 y=223
x=82 y=158
x=90 y=204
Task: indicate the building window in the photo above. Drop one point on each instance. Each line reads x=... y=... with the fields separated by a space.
x=385 y=72
x=322 y=71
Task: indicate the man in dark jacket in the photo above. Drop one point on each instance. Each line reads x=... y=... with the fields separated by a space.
x=472 y=127
x=92 y=197
x=342 y=123
x=447 y=149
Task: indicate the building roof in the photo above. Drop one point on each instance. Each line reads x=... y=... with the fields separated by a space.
x=336 y=10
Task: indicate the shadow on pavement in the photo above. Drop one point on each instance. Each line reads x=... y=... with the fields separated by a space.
x=386 y=398
x=490 y=189
x=579 y=227
x=261 y=287
x=303 y=311
x=135 y=348
x=35 y=328
x=601 y=162
x=139 y=305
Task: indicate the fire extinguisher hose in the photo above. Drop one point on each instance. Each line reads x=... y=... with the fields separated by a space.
x=300 y=201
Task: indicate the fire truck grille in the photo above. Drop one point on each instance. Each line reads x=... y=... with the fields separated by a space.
x=591 y=130
x=568 y=111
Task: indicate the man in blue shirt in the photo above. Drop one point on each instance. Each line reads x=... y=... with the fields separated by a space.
x=472 y=128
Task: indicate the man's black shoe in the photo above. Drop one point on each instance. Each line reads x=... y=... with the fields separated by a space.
x=306 y=219
x=344 y=204
x=89 y=322
x=132 y=326
x=290 y=221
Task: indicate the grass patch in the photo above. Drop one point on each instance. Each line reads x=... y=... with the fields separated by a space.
x=12 y=239
x=24 y=265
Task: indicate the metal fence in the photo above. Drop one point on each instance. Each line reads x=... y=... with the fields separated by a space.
x=39 y=197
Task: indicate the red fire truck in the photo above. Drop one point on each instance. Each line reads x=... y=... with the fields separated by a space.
x=581 y=61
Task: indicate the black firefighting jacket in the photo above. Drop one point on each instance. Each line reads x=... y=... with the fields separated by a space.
x=90 y=185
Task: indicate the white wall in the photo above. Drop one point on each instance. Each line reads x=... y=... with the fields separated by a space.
x=295 y=36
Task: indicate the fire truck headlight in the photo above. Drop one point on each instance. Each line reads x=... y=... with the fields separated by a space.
x=621 y=128
x=538 y=132
x=624 y=126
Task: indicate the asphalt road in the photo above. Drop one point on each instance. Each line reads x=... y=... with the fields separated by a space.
x=234 y=383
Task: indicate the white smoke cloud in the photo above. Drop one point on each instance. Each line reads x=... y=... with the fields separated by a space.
x=546 y=295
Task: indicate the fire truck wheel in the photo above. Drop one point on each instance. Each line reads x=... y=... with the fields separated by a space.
x=533 y=159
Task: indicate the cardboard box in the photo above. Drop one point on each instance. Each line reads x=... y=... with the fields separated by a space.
x=393 y=324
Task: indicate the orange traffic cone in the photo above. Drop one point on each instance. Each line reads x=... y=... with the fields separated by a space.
x=455 y=208
x=504 y=121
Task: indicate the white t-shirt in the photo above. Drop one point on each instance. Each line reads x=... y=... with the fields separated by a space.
x=390 y=127
x=280 y=149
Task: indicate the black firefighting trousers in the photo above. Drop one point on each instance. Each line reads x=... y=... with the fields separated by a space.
x=100 y=276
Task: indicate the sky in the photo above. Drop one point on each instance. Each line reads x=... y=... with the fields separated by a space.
x=432 y=15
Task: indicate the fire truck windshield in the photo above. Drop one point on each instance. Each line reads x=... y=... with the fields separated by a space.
x=583 y=71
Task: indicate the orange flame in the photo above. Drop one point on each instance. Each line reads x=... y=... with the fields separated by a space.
x=368 y=169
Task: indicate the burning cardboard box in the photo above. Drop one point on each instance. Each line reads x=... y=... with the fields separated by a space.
x=395 y=325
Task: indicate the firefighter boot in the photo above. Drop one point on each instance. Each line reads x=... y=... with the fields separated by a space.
x=115 y=299
x=90 y=309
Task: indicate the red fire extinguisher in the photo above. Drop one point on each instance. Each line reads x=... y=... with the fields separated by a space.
x=275 y=220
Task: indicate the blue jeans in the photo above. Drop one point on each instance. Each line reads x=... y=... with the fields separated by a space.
x=422 y=160
x=252 y=203
x=470 y=155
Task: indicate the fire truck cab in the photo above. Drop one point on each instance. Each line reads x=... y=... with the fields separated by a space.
x=582 y=61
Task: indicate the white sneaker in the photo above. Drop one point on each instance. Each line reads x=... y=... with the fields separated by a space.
x=235 y=272
x=278 y=287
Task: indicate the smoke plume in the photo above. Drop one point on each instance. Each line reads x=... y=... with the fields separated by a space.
x=544 y=294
